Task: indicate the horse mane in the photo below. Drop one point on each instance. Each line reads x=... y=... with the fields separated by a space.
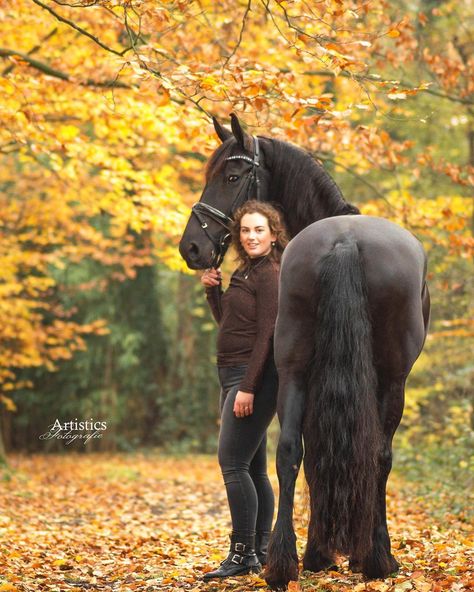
x=299 y=185
x=305 y=190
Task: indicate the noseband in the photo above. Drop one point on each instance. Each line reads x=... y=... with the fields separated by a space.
x=202 y=210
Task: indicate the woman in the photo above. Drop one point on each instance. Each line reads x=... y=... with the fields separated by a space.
x=246 y=315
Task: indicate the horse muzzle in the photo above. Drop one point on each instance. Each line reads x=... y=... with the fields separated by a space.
x=195 y=256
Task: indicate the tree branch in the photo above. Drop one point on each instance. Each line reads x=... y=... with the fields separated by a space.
x=377 y=79
x=242 y=28
x=42 y=67
x=325 y=158
x=108 y=84
x=80 y=4
x=9 y=68
x=320 y=39
x=81 y=30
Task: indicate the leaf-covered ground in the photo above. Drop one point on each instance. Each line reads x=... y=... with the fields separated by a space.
x=136 y=522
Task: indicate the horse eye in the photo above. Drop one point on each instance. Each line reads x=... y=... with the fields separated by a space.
x=232 y=178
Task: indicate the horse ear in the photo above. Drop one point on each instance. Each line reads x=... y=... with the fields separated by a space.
x=222 y=132
x=237 y=130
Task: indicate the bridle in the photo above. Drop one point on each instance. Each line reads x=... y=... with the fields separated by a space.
x=202 y=210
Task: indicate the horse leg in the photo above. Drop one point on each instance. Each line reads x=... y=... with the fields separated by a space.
x=314 y=558
x=398 y=344
x=282 y=563
x=292 y=353
x=380 y=562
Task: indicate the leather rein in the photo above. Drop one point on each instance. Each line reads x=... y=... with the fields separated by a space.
x=202 y=210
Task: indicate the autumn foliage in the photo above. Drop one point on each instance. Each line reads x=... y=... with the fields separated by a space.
x=105 y=121
x=157 y=523
x=105 y=131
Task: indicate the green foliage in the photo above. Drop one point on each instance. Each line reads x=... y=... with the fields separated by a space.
x=151 y=377
x=191 y=402
x=443 y=473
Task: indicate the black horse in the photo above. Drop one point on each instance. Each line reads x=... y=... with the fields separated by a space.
x=352 y=320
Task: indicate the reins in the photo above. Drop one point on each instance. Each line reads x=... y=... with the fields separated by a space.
x=202 y=210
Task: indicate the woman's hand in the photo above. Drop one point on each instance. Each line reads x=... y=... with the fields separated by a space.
x=211 y=277
x=243 y=404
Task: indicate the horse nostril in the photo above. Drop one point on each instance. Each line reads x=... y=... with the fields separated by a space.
x=193 y=250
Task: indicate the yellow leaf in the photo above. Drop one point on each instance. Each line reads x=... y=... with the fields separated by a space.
x=377 y=586
x=9 y=403
x=60 y=562
x=393 y=33
x=209 y=82
x=67 y=132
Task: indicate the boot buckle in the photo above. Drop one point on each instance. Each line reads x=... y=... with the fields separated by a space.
x=239 y=547
x=237 y=559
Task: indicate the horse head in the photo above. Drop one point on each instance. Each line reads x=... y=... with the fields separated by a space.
x=235 y=173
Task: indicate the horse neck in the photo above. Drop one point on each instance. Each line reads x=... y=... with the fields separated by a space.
x=306 y=192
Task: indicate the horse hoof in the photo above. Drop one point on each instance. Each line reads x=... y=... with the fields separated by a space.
x=394 y=565
x=380 y=570
x=276 y=583
x=280 y=581
x=355 y=565
x=317 y=562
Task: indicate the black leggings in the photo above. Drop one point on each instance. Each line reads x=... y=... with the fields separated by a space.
x=243 y=451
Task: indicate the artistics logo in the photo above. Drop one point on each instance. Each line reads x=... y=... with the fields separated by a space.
x=75 y=430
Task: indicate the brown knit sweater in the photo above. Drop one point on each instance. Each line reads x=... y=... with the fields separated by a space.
x=246 y=314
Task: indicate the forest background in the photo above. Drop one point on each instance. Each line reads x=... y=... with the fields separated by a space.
x=105 y=132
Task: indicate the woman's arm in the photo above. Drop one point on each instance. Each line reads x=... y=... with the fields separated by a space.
x=266 y=308
x=211 y=280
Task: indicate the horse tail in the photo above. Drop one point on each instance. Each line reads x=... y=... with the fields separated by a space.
x=341 y=430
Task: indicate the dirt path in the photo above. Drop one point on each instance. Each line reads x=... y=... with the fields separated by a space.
x=151 y=523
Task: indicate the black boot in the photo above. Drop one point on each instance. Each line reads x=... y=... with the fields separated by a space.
x=261 y=546
x=241 y=560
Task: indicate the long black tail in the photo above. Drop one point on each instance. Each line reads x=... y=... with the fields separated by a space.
x=341 y=430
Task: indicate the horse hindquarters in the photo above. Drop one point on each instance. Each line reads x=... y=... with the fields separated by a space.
x=341 y=429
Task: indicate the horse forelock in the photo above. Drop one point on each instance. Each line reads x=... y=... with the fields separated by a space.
x=217 y=159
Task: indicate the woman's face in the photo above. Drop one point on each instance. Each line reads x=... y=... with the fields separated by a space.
x=255 y=235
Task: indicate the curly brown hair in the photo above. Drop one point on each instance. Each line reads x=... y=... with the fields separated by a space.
x=275 y=223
